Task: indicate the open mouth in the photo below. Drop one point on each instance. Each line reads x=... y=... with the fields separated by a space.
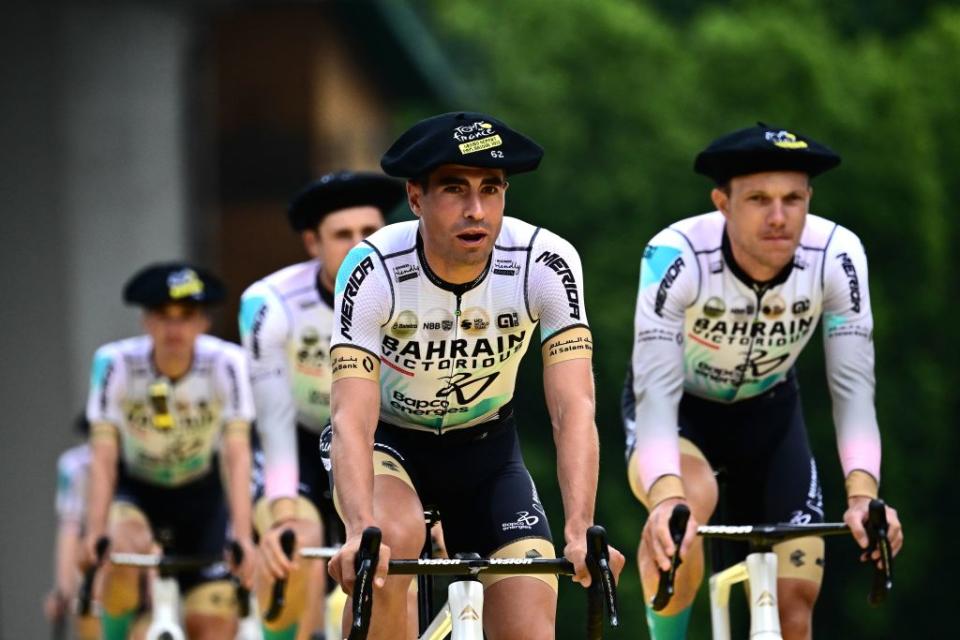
x=472 y=237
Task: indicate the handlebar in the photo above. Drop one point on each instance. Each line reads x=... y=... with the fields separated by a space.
x=601 y=594
x=288 y=540
x=763 y=537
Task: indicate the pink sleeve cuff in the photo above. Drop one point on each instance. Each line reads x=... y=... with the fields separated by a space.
x=281 y=481
x=657 y=458
x=862 y=453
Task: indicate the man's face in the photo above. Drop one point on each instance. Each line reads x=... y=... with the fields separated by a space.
x=765 y=215
x=461 y=212
x=174 y=327
x=339 y=232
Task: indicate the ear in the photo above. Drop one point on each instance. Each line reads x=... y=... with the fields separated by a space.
x=414 y=194
x=721 y=201
x=311 y=242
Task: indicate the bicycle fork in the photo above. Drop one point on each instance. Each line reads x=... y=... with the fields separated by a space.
x=759 y=570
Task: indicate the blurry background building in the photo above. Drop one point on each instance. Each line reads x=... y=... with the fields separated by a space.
x=142 y=131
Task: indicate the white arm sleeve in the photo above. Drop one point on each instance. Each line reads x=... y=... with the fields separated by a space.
x=848 y=344
x=669 y=283
x=264 y=332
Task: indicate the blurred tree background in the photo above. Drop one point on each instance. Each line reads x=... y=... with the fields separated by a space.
x=623 y=94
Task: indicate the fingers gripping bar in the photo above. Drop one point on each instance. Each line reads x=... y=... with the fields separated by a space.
x=288 y=540
x=678 y=526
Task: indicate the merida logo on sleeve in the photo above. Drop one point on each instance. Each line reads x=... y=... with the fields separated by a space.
x=357 y=276
x=852 y=280
x=668 y=279
x=562 y=269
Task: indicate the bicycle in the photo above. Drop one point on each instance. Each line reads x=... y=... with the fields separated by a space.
x=165 y=591
x=466 y=595
x=759 y=568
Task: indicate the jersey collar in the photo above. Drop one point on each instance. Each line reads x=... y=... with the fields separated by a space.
x=458 y=289
x=325 y=294
x=742 y=275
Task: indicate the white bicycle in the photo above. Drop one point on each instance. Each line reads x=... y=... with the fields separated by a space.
x=759 y=569
x=165 y=623
x=462 y=615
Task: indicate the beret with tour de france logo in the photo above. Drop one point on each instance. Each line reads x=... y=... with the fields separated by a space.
x=164 y=283
x=763 y=148
x=465 y=138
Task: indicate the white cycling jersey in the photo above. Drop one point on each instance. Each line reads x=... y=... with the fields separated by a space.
x=73 y=467
x=169 y=430
x=704 y=327
x=285 y=323
x=450 y=352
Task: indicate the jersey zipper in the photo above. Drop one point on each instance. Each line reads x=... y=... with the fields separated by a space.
x=759 y=292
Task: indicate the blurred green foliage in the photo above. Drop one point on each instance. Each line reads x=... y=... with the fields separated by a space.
x=623 y=95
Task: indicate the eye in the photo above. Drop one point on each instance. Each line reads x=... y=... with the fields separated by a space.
x=453 y=188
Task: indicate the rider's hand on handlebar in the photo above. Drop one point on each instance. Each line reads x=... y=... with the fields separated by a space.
x=276 y=561
x=245 y=571
x=342 y=566
x=656 y=533
x=87 y=553
x=856 y=517
x=576 y=553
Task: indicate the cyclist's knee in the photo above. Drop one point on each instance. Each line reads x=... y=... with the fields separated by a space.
x=797 y=598
x=129 y=530
x=400 y=517
x=519 y=607
x=203 y=626
x=700 y=486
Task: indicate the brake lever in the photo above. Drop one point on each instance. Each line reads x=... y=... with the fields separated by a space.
x=665 y=587
x=877 y=527
x=598 y=548
x=278 y=596
x=243 y=594
x=368 y=556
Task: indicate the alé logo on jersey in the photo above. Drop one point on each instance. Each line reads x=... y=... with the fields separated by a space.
x=569 y=281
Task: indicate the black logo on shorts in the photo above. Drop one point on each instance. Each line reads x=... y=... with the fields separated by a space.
x=466 y=388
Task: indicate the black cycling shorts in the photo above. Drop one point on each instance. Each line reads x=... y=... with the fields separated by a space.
x=759 y=448
x=187 y=520
x=475 y=478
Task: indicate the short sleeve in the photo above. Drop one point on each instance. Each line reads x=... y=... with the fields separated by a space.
x=104 y=402
x=233 y=385
x=362 y=304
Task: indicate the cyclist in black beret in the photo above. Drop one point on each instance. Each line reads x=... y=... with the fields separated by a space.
x=431 y=320
x=727 y=302
x=164 y=408
x=285 y=323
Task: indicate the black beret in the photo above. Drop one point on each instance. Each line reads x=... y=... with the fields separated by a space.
x=160 y=284
x=470 y=139
x=342 y=190
x=763 y=148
